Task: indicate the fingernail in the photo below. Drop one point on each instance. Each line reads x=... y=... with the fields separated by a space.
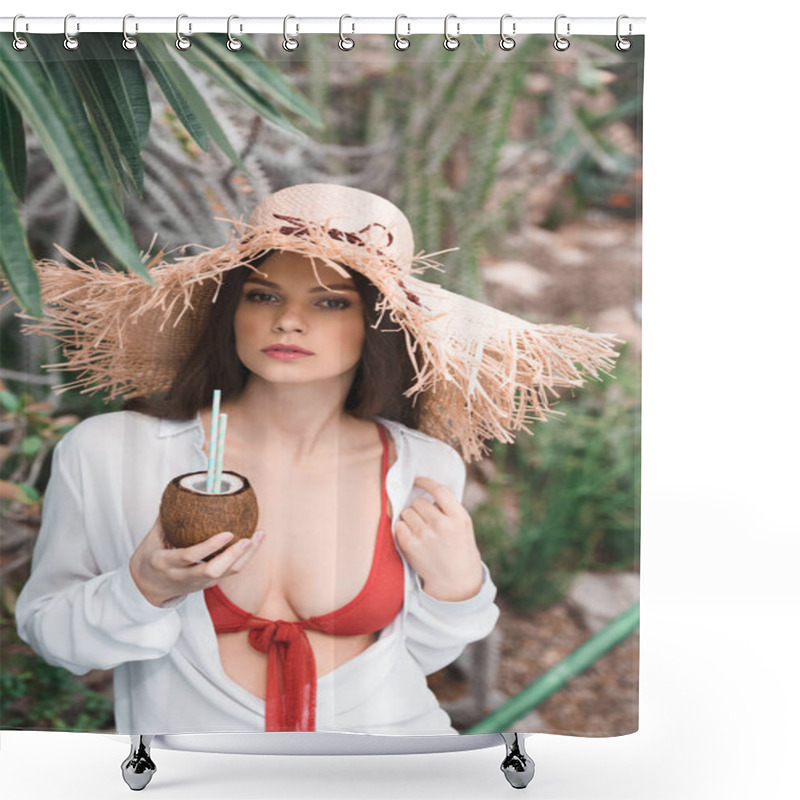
x=227 y=534
x=245 y=543
x=259 y=536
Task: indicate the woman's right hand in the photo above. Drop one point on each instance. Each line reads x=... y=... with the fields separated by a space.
x=163 y=573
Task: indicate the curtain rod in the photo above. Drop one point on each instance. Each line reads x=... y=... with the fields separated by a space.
x=456 y=26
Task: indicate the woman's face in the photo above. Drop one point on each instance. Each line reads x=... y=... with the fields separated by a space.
x=283 y=305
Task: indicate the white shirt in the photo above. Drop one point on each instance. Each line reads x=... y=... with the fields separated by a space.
x=81 y=609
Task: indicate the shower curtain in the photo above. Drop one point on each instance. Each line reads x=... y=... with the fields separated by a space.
x=520 y=168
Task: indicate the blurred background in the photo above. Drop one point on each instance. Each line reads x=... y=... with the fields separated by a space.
x=529 y=161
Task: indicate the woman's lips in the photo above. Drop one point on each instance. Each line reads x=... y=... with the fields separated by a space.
x=284 y=354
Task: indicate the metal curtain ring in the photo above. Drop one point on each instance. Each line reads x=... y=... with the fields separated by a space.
x=400 y=42
x=233 y=44
x=451 y=42
x=290 y=43
x=561 y=42
x=70 y=42
x=506 y=41
x=181 y=42
x=19 y=43
x=623 y=44
x=128 y=42
x=345 y=43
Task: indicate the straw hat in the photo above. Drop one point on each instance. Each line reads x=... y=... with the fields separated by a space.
x=480 y=374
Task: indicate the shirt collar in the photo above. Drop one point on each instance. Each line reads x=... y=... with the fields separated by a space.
x=171 y=427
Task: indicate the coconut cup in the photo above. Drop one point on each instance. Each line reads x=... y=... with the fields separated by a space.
x=190 y=515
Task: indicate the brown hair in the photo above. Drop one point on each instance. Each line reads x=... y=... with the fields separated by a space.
x=383 y=374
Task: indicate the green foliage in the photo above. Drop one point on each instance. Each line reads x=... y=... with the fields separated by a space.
x=31 y=431
x=448 y=118
x=50 y=100
x=33 y=694
x=91 y=112
x=573 y=492
x=10 y=401
x=36 y=695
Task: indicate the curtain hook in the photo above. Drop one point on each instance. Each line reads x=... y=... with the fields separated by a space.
x=233 y=44
x=290 y=43
x=561 y=42
x=128 y=42
x=451 y=42
x=70 y=42
x=400 y=42
x=20 y=43
x=345 y=43
x=181 y=42
x=506 y=41
x=623 y=44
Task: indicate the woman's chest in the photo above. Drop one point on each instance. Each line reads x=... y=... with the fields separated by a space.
x=321 y=533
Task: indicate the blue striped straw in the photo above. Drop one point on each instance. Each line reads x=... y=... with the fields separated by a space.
x=223 y=427
x=212 y=442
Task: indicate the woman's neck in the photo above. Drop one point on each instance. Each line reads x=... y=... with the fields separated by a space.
x=297 y=424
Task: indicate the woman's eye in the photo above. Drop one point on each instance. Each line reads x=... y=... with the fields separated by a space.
x=329 y=303
x=338 y=302
x=257 y=296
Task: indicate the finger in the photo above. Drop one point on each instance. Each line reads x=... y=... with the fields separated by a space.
x=429 y=512
x=444 y=496
x=238 y=565
x=404 y=537
x=220 y=565
x=407 y=540
x=197 y=552
x=413 y=519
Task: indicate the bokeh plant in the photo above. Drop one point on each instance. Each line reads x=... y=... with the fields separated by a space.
x=567 y=498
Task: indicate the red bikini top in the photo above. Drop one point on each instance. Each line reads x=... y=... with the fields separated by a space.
x=291 y=669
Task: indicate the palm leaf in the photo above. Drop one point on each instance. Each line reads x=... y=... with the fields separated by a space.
x=92 y=134
x=255 y=70
x=116 y=89
x=12 y=146
x=202 y=60
x=182 y=95
x=72 y=150
x=15 y=257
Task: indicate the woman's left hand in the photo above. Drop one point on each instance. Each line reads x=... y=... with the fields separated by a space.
x=438 y=541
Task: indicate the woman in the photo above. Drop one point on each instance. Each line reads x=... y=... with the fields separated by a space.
x=318 y=622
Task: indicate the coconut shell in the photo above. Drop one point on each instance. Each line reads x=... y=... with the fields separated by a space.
x=189 y=517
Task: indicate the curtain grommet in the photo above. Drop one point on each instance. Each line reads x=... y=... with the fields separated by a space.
x=128 y=41
x=70 y=41
x=345 y=42
x=622 y=44
x=290 y=43
x=182 y=42
x=233 y=44
x=561 y=43
x=401 y=42
x=507 y=42
x=19 y=43
x=451 y=42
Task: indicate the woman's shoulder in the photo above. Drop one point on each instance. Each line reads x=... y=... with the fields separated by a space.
x=422 y=454
x=421 y=444
x=109 y=429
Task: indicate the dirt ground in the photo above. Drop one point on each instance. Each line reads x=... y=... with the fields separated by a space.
x=601 y=701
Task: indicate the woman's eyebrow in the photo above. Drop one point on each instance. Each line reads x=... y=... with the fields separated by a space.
x=343 y=286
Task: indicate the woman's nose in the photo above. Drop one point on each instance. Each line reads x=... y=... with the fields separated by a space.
x=290 y=319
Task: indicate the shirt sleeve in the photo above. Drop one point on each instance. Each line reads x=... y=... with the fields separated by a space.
x=437 y=631
x=72 y=613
